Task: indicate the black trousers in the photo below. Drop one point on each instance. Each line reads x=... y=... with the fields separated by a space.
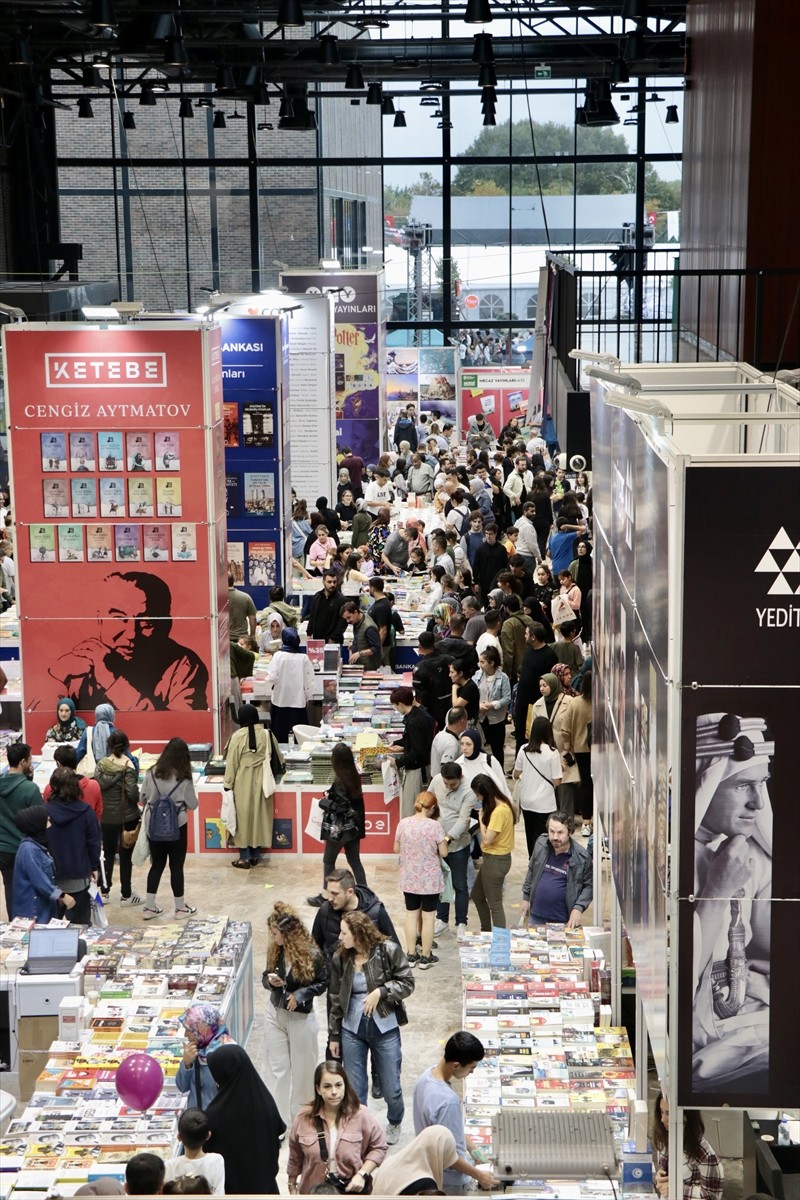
x=535 y=826
x=496 y=737
x=173 y=853
x=111 y=847
x=353 y=856
x=7 y=871
x=81 y=914
x=584 y=802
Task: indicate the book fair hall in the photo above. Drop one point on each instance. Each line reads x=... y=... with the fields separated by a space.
x=400 y=508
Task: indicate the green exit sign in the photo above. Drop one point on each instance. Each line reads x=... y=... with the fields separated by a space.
x=542 y=71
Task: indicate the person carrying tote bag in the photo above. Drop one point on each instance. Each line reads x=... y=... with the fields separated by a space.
x=538 y=767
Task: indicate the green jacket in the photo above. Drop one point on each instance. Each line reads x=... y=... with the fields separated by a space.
x=16 y=793
x=120 y=787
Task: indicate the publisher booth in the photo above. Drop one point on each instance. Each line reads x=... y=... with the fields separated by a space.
x=696 y=671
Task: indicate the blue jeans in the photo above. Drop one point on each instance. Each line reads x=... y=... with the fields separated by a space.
x=249 y=853
x=387 y=1055
x=457 y=861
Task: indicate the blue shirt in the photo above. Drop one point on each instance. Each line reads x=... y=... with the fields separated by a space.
x=561 y=548
x=435 y=1103
x=548 y=903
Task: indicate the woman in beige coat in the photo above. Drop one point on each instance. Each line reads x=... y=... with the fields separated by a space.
x=248 y=775
x=554 y=704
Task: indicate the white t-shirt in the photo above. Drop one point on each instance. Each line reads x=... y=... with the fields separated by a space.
x=378 y=496
x=211 y=1166
x=537 y=792
x=489 y=639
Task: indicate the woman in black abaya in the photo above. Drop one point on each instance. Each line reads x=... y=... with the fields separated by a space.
x=246 y=1127
x=582 y=571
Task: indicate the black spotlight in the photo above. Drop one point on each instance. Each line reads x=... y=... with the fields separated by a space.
x=219 y=121
x=186 y=111
x=21 y=55
x=487 y=76
x=355 y=78
x=672 y=115
x=375 y=93
x=483 y=49
x=290 y=14
x=128 y=121
x=85 y=111
x=400 y=119
x=147 y=97
x=328 y=50
x=478 y=12
x=103 y=15
x=91 y=77
x=387 y=106
x=175 y=53
x=225 y=81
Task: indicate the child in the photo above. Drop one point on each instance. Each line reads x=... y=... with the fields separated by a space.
x=193 y=1133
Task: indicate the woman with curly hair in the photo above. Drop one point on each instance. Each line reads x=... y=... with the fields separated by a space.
x=370 y=977
x=294 y=975
x=376 y=538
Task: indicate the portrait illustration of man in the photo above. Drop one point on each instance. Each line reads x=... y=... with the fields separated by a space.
x=134 y=663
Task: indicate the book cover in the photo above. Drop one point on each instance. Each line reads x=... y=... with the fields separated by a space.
x=261 y=559
x=230 y=419
x=70 y=543
x=156 y=543
x=43 y=543
x=168 y=451
x=54 y=451
x=112 y=496
x=258 y=426
x=233 y=495
x=140 y=496
x=98 y=543
x=84 y=497
x=184 y=543
x=168 y=497
x=110 y=455
x=82 y=455
x=55 y=497
x=259 y=494
x=235 y=553
x=127 y=543
x=139 y=451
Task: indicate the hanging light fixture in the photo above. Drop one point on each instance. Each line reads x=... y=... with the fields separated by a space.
x=85 y=111
x=634 y=47
x=620 y=72
x=103 y=15
x=219 y=120
x=261 y=94
x=400 y=119
x=20 y=51
x=355 y=78
x=329 y=50
x=225 y=81
x=286 y=111
x=387 y=106
x=91 y=77
x=483 y=49
x=204 y=102
x=290 y=15
x=478 y=12
x=375 y=93
x=597 y=106
x=147 y=97
x=175 y=52
x=186 y=111
x=487 y=76
x=128 y=121
x=489 y=117
x=672 y=115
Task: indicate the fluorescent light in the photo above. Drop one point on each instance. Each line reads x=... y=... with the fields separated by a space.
x=100 y=312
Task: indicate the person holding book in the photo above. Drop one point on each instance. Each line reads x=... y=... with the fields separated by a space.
x=295 y=973
x=193 y=1133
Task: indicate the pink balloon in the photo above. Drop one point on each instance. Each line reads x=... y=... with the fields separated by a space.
x=139 y=1081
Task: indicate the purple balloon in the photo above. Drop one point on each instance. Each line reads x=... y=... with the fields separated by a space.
x=139 y=1081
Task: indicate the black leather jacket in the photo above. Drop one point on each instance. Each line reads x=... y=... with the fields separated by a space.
x=304 y=993
x=386 y=968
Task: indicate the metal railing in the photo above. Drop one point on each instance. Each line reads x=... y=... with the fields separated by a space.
x=668 y=313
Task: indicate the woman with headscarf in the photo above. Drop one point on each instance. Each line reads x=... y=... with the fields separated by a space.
x=35 y=893
x=733 y=890
x=68 y=727
x=582 y=571
x=439 y=623
x=249 y=776
x=554 y=703
x=270 y=639
x=246 y=1127
x=204 y=1032
x=417 y=1169
x=74 y=840
x=292 y=677
x=100 y=732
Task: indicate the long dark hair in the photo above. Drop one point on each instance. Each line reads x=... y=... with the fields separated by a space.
x=346 y=771
x=174 y=761
x=693 y=1131
x=541 y=734
x=485 y=787
x=65 y=785
x=586 y=685
x=351 y=1102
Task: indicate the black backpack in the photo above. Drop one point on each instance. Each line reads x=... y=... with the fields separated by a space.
x=163 y=825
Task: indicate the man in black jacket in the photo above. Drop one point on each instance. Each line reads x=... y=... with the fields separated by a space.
x=490 y=559
x=343 y=897
x=431 y=679
x=325 y=618
x=458 y=648
x=539 y=658
x=414 y=759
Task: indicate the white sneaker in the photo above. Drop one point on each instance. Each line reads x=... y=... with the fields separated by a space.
x=461 y=932
x=586 y=831
x=392 y=1135
x=440 y=927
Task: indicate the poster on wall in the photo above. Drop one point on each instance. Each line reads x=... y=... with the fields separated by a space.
x=500 y=393
x=739 y=886
x=142 y=617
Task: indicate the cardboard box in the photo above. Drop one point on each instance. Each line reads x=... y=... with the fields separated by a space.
x=37 y=1033
x=31 y=1065
x=636 y=1169
x=70 y=1018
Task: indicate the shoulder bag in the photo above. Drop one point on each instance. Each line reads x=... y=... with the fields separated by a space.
x=336 y=1181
